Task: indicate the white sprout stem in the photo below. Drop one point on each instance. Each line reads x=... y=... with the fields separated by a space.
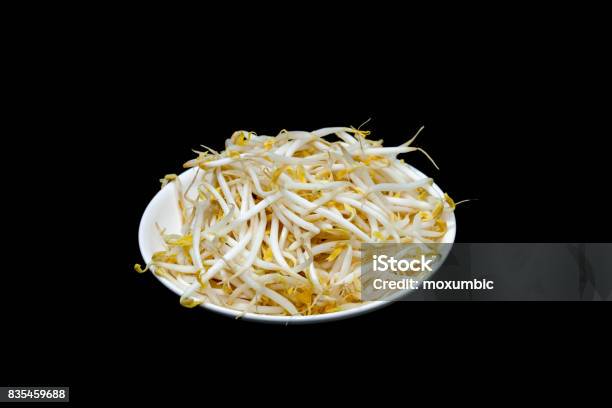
x=213 y=270
x=297 y=220
x=217 y=196
x=216 y=163
x=275 y=296
x=329 y=131
x=229 y=197
x=255 y=245
x=190 y=269
x=411 y=203
x=294 y=160
x=288 y=183
x=197 y=231
x=276 y=252
x=382 y=151
x=344 y=223
x=262 y=205
x=401 y=187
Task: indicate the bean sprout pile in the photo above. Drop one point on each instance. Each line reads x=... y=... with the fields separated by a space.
x=273 y=224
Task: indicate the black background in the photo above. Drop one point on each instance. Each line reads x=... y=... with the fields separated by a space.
x=510 y=121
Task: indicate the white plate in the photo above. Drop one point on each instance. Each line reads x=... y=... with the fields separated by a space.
x=164 y=211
